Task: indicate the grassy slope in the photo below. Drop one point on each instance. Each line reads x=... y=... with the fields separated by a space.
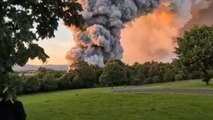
x=189 y=84
x=100 y=104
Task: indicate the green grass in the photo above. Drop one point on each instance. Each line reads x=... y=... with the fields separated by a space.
x=189 y=84
x=101 y=104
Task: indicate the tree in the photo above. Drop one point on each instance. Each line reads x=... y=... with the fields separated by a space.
x=140 y=73
x=84 y=75
x=65 y=80
x=13 y=85
x=98 y=71
x=49 y=83
x=169 y=75
x=113 y=74
x=195 y=50
x=22 y=23
x=32 y=85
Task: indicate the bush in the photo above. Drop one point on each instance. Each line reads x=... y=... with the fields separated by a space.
x=84 y=75
x=113 y=74
x=65 y=81
x=49 y=83
x=169 y=76
x=32 y=85
x=148 y=80
x=156 y=79
x=178 y=77
x=13 y=83
x=136 y=81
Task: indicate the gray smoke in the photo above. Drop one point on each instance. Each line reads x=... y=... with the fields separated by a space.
x=153 y=37
x=202 y=17
x=105 y=19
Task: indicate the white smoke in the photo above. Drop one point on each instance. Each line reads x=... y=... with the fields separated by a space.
x=105 y=19
x=184 y=8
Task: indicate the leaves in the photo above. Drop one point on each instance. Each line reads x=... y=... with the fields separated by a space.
x=24 y=22
x=195 y=49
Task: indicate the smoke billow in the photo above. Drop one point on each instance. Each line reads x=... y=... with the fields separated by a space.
x=105 y=19
x=116 y=24
x=153 y=37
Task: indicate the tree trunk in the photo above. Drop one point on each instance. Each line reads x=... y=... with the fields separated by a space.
x=206 y=78
x=207 y=82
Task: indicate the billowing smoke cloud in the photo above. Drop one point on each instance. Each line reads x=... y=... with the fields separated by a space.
x=153 y=37
x=144 y=36
x=105 y=19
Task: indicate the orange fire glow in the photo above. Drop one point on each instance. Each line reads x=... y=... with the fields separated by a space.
x=150 y=37
x=166 y=4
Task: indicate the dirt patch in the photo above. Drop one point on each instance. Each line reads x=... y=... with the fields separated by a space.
x=181 y=91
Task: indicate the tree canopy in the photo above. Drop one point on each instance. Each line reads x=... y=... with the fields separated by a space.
x=113 y=74
x=23 y=22
x=195 y=50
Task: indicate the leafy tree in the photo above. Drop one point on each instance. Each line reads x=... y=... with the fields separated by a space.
x=156 y=79
x=84 y=75
x=12 y=84
x=130 y=77
x=169 y=75
x=32 y=85
x=98 y=71
x=49 y=83
x=22 y=23
x=65 y=80
x=140 y=73
x=113 y=74
x=195 y=50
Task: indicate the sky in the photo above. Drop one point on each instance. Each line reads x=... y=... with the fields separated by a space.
x=56 y=47
x=139 y=51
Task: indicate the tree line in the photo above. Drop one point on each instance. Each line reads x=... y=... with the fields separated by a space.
x=115 y=73
x=194 y=61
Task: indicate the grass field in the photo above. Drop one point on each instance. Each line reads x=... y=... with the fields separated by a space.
x=189 y=84
x=102 y=104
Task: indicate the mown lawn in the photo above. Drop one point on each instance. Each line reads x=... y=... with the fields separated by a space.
x=101 y=104
x=189 y=84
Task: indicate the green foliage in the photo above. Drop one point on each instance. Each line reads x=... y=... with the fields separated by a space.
x=12 y=84
x=169 y=75
x=65 y=80
x=23 y=23
x=32 y=85
x=49 y=83
x=179 y=77
x=195 y=50
x=140 y=73
x=98 y=71
x=84 y=75
x=129 y=71
x=156 y=79
x=113 y=74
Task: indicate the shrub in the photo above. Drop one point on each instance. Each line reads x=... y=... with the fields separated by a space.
x=156 y=79
x=113 y=74
x=32 y=85
x=49 y=83
x=169 y=76
x=65 y=80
